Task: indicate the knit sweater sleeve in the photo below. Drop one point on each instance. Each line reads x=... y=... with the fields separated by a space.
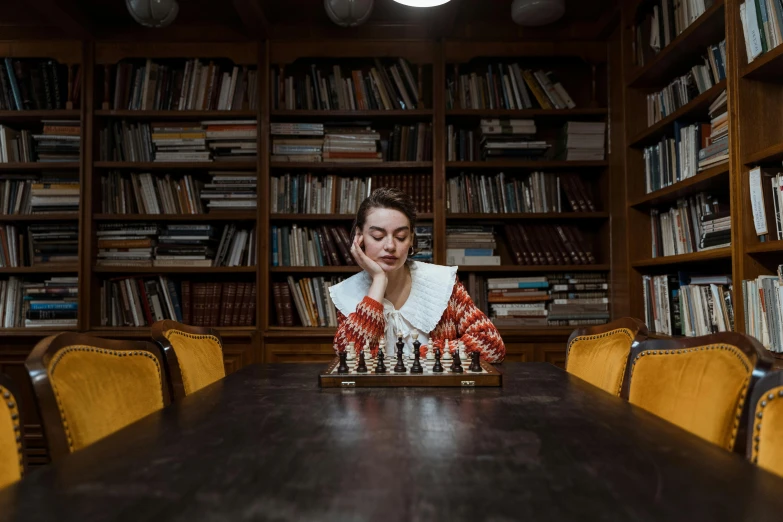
x=473 y=327
x=365 y=324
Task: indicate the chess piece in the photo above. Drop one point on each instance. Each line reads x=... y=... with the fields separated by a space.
x=416 y=368
x=362 y=366
x=343 y=367
x=462 y=353
x=430 y=353
x=456 y=365
x=446 y=351
x=400 y=367
x=438 y=367
x=380 y=367
x=351 y=351
x=475 y=365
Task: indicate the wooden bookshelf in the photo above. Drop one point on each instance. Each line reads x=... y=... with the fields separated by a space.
x=547 y=216
x=41 y=165
x=765 y=68
x=35 y=116
x=35 y=218
x=166 y=165
x=769 y=247
x=767 y=155
x=239 y=215
x=696 y=257
x=402 y=115
x=577 y=113
x=528 y=165
x=535 y=268
x=718 y=175
x=177 y=115
x=385 y=165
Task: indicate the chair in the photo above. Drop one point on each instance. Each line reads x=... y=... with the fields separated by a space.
x=12 y=450
x=699 y=383
x=765 y=426
x=599 y=354
x=194 y=356
x=88 y=388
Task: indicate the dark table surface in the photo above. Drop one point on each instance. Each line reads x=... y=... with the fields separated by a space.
x=267 y=443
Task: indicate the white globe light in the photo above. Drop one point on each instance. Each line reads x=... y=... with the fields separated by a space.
x=422 y=3
x=537 y=12
x=349 y=13
x=153 y=13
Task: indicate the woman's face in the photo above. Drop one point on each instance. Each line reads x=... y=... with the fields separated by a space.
x=387 y=238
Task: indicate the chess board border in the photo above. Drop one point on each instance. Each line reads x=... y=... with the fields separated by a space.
x=492 y=378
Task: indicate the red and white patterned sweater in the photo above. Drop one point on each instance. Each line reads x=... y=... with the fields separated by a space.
x=461 y=321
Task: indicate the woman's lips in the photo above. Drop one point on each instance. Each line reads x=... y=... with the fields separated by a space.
x=389 y=258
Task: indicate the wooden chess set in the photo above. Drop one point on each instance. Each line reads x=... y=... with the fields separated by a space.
x=349 y=371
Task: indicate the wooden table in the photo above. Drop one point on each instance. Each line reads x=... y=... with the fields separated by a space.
x=267 y=443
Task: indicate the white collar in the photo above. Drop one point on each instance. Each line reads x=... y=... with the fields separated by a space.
x=431 y=289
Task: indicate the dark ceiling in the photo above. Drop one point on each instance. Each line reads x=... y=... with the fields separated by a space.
x=295 y=19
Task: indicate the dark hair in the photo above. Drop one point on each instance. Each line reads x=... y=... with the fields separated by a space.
x=391 y=198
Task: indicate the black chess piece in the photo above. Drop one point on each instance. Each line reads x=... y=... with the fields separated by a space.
x=456 y=366
x=475 y=365
x=343 y=367
x=438 y=367
x=416 y=367
x=380 y=366
x=362 y=367
x=400 y=367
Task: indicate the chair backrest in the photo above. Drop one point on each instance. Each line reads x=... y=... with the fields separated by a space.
x=599 y=354
x=88 y=388
x=194 y=356
x=765 y=423
x=701 y=384
x=12 y=449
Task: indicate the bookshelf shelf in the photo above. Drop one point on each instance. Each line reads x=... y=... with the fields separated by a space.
x=26 y=218
x=178 y=115
x=537 y=331
x=768 y=67
x=221 y=216
x=39 y=115
x=694 y=110
x=38 y=165
x=174 y=270
x=386 y=165
x=45 y=269
x=417 y=114
x=564 y=216
x=768 y=247
x=770 y=154
x=201 y=165
x=680 y=54
x=314 y=269
x=33 y=332
x=143 y=332
x=536 y=268
x=422 y=216
x=527 y=113
x=696 y=257
x=701 y=181
x=530 y=165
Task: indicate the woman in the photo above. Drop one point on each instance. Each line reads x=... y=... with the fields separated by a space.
x=395 y=295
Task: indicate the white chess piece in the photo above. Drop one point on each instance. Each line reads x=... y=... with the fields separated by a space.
x=446 y=352
x=430 y=353
x=366 y=350
x=351 y=351
x=382 y=347
x=462 y=354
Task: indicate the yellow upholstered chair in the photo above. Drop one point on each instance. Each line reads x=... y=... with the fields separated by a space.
x=88 y=388
x=194 y=356
x=599 y=354
x=12 y=455
x=701 y=384
x=765 y=426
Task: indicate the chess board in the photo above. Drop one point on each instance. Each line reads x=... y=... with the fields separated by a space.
x=488 y=376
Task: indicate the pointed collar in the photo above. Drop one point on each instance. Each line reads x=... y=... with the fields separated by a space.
x=431 y=289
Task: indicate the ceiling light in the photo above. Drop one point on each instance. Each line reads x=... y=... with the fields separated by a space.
x=421 y=3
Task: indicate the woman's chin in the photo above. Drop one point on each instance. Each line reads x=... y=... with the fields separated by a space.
x=387 y=266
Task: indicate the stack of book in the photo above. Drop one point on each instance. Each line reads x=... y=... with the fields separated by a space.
x=471 y=245
x=141 y=301
x=16 y=146
x=51 y=192
x=11 y=242
x=126 y=244
x=51 y=304
x=423 y=246
x=127 y=141
x=59 y=141
x=762 y=22
x=690 y=305
x=506 y=87
x=144 y=193
x=232 y=140
x=548 y=245
x=53 y=243
x=180 y=141
x=766 y=200
x=231 y=191
x=309 y=297
x=578 y=299
x=518 y=301
x=297 y=149
x=764 y=309
x=716 y=149
x=662 y=24
x=237 y=247
x=583 y=141
x=696 y=224
x=675 y=159
x=509 y=139
x=327 y=245
x=351 y=144
x=38 y=84
x=393 y=86
x=172 y=85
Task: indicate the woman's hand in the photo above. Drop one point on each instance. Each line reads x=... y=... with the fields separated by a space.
x=367 y=264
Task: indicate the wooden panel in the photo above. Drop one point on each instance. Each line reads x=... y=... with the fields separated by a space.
x=295 y=351
x=552 y=353
x=237 y=355
x=241 y=53
x=520 y=352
